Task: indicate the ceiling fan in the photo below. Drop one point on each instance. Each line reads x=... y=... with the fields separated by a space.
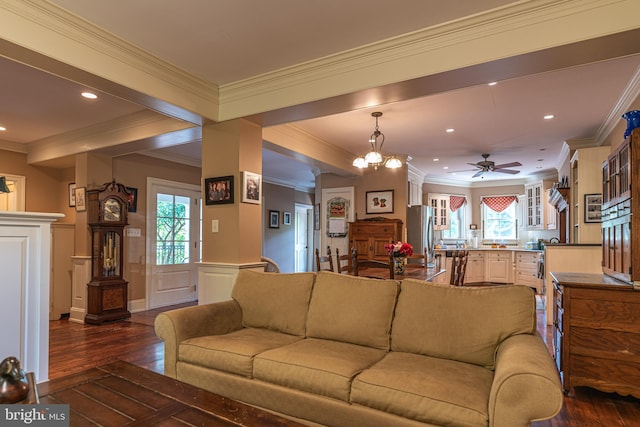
x=489 y=166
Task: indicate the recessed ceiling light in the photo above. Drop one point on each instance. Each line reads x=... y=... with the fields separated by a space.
x=549 y=117
x=445 y=167
x=89 y=95
x=492 y=83
x=2 y=128
x=541 y=160
x=451 y=130
x=436 y=160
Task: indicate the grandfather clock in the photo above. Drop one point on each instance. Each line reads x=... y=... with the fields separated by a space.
x=107 y=217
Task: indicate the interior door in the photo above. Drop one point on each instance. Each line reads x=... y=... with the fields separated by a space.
x=302 y=238
x=173 y=242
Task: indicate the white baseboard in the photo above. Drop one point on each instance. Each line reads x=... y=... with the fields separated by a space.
x=137 y=305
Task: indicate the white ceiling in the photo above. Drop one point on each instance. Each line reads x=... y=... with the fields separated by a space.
x=224 y=42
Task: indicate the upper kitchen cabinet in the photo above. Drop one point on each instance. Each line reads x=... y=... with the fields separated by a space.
x=536 y=206
x=440 y=205
x=586 y=191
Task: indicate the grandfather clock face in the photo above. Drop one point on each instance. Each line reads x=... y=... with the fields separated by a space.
x=112 y=210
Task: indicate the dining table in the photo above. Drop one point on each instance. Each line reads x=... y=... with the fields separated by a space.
x=420 y=273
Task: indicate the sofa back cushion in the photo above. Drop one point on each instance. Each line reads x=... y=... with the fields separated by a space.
x=275 y=301
x=460 y=323
x=352 y=309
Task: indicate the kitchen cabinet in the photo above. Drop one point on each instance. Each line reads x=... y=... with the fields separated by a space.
x=440 y=205
x=596 y=340
x=585 y=178
x=620 y=228
x=536 y=206
x=498 y=266
x=526 y=270
x=475 y=267
x=551 y=214
x=368 y=237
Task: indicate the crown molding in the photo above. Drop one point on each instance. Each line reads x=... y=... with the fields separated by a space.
x=17 y=147
x=628 y=96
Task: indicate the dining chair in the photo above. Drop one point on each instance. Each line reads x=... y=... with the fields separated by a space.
x=271 y=266
x=417 y=260
x=380 y=266
x=342 y=262
x=458 y=267
x=325 y=262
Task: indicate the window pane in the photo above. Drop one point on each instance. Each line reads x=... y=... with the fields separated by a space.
x=172 y=225
x=500 y=225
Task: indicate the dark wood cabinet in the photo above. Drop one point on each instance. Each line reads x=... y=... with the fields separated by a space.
x=596 y=333
x=368 y=237
x=620 y=229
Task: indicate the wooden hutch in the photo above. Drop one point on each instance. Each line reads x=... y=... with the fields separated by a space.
x=596 y=317
x=368 y=237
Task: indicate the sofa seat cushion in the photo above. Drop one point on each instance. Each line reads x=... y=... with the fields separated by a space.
x=260 y=296
x=428 y=389
x=466 y=324
x=232 y=352
x=352 y=309
x=316 y=366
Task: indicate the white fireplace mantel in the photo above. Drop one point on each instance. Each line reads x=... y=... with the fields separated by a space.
x=25 y=255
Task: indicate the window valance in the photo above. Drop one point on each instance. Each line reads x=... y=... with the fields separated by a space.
x=499 y=203
x=456 y=202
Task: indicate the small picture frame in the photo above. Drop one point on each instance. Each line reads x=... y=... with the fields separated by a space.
x=274 y=219
x=251 y=187
x=132 y=202
x=286 y=218
x=72 y=195
x=379 y=202
x=81 y=200
x=593 y=207
x=219 y=190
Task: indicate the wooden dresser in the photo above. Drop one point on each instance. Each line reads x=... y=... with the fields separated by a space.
x=368 y=237
x=596 y=333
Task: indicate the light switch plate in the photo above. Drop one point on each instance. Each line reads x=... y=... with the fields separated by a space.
x=214 y=225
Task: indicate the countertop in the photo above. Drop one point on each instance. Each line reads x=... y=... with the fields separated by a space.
x=488 y=248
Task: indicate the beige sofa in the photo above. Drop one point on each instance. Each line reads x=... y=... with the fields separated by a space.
x=339 y=350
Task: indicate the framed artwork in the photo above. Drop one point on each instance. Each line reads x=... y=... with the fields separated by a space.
x=379 y=201
x=219 y=191
x=251 y=187
x=286 y=218
x=81 y=200
x=316 y=217
x=132 y=202
x=593 y=208
x=72 y=194
x=274 y=219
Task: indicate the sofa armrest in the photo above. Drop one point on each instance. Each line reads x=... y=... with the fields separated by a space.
x=526 y=385
x=175 y=326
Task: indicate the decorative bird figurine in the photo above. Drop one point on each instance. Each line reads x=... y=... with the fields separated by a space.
x=14 y=386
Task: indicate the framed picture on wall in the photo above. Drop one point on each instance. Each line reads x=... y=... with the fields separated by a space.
x=593 y=208
x=132 y=202
x=316 y=217
x=251 y=187
x=379 y=201
x=81 y=193
x=274 y=219
x=72 y=194
x=219 y=191
x=286 y=218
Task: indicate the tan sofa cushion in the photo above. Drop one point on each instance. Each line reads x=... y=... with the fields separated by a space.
x=460 y=323
x=427 y=389
x=316 y=366
x=232 y=352
x=352 y=309
x=274 y=301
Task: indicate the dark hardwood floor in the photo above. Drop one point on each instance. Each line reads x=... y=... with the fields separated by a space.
x=75 y=347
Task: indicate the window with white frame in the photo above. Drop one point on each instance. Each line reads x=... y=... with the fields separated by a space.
x=456 y=218
x=500 y=218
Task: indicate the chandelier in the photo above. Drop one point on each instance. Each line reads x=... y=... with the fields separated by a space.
x=374 y=157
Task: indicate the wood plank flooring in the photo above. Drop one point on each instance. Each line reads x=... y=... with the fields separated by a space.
x=75 y=347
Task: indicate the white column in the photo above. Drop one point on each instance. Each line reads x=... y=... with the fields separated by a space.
x=215 y=280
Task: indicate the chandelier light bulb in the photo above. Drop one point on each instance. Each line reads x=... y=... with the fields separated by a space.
x=375 y=157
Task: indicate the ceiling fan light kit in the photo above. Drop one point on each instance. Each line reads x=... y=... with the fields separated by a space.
x=375 y=157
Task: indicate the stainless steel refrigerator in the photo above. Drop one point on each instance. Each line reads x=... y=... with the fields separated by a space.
x=420 y=229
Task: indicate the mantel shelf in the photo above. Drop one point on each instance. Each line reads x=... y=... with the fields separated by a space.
x=559 y=197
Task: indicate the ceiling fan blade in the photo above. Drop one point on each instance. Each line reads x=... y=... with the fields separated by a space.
x=474 y=164
x=510 y=171
x=465 y=170
x=507 y=165
x=477 y=174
